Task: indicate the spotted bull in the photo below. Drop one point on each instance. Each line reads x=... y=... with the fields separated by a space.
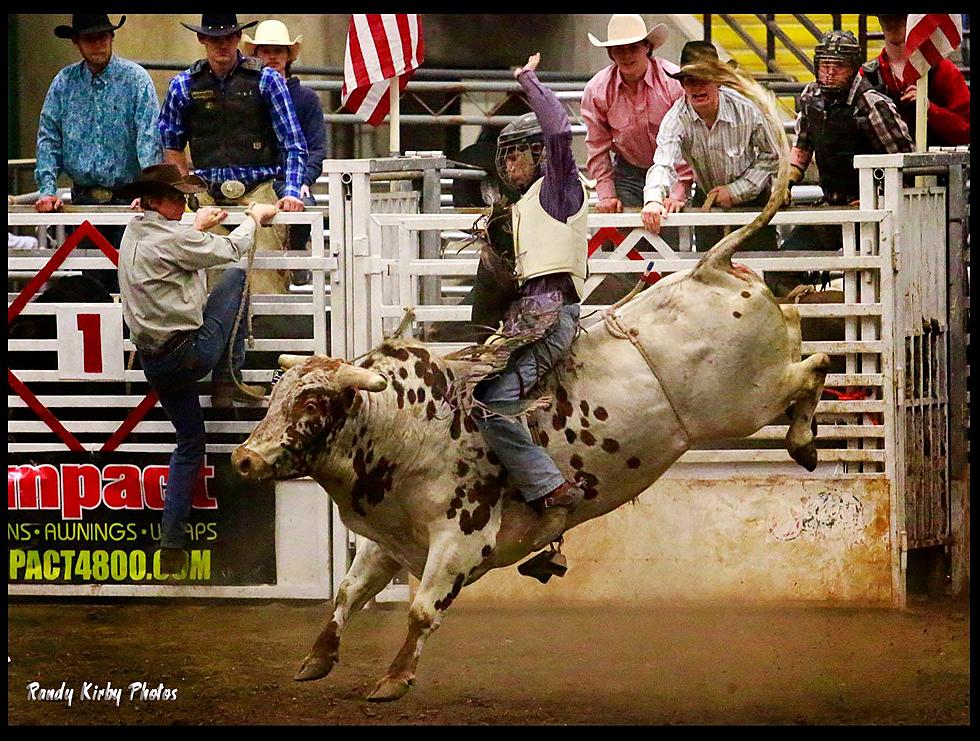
x=703 y=355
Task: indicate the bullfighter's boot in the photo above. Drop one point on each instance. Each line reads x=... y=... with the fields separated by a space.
x=555 y=507
x=172 y=560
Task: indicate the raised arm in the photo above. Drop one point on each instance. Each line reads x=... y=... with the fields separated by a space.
x=561 y=193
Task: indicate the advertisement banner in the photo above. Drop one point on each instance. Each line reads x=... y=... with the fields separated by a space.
x=81 y=518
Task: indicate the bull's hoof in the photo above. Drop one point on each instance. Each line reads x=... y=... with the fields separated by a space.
x=806 y=456
x=390 y=689
x=315 y=667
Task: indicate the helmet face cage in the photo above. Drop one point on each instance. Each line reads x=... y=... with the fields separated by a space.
x=841 y=47
x=527 y=157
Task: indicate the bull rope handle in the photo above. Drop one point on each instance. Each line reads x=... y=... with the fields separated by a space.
x=709 y=201
x=246 y=296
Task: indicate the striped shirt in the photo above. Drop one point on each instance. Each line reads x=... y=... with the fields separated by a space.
x=736 y=151
x=272 y=87
x=99 y=130
x=874 y=111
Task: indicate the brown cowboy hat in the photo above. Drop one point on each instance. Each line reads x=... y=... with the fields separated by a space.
x=219 y=24
x=693 y=53
x=82 y=23
x=161 y=180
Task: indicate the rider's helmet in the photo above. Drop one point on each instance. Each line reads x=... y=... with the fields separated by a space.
x=520 y=152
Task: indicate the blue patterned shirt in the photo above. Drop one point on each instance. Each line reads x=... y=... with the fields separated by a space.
x=272 y=87
x=98 y=130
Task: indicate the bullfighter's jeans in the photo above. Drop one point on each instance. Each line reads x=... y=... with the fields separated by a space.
x=530 y=468
x=629 y=180
x=174 y=377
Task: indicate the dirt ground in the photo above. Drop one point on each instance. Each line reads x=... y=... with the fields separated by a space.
x=233 y=663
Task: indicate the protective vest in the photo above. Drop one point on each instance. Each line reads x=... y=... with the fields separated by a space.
x=230 y=124
x=544 y=245
x=838 y=134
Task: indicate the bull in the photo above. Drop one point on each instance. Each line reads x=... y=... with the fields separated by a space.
x=703 y=355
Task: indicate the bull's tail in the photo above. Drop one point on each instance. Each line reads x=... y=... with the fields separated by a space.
x=719 y=257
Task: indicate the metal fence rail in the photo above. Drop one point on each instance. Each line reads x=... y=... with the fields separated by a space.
x=92 y=410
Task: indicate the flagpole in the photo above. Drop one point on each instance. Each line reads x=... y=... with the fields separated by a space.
x=394 y=143
x=921 y=111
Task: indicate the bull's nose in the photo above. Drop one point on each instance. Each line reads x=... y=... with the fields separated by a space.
x=250 y=464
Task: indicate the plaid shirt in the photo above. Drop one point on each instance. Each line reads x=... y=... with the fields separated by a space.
x=272 y=87
x=875 y=111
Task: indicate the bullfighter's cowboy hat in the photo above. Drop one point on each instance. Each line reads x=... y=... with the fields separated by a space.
x=692 y=54
x=161 y=180
x=87 y=23
x=219 y=24
x=272 y=33
x=628 y=29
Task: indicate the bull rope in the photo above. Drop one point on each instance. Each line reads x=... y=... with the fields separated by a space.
x=619 y=330
x=245 y=300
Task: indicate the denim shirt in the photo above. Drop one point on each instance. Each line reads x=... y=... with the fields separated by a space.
x=100 y=130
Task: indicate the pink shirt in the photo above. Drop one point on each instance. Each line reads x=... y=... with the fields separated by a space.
x=617 y=120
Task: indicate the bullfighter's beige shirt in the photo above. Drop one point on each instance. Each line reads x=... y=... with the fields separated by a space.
x=162 y=274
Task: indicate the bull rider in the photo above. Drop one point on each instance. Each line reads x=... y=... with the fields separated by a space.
x=548 y=228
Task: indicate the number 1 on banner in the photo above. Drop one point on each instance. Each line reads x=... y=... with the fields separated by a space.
x=90 y=342
x=88 y=325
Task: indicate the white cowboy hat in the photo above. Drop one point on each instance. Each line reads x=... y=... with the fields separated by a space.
x=272 y=33
x=628 y=29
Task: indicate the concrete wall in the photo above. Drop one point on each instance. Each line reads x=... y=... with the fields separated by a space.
x=452 y=41
x=739 y=540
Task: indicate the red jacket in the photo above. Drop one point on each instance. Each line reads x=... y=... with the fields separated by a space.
x=948 y=119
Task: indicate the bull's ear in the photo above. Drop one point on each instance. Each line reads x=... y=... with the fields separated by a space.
x=288 y=361
x=350 y=376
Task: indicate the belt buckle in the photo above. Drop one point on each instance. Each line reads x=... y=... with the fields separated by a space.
x=232 y=189
x=100 y=194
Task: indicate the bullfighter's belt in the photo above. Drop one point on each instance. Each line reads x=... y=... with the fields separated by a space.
x=173 y=343
x=227 y=192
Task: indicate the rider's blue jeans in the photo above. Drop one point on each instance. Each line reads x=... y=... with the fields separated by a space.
x=529 y=467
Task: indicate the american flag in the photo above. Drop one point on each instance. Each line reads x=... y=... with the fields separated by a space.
x=930 y=38
x=379 y=47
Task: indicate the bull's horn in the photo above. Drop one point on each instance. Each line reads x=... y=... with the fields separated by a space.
x=288 y=361
x=360 y=378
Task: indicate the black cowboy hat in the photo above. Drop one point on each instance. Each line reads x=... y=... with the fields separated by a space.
x=693 y=53
x=219 y=24
x=82 y=23
x=161 y=179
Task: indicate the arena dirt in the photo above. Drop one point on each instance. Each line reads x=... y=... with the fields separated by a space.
x=232 y=663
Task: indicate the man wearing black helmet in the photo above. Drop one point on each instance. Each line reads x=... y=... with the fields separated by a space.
x=840 y=116
x=548 y=226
